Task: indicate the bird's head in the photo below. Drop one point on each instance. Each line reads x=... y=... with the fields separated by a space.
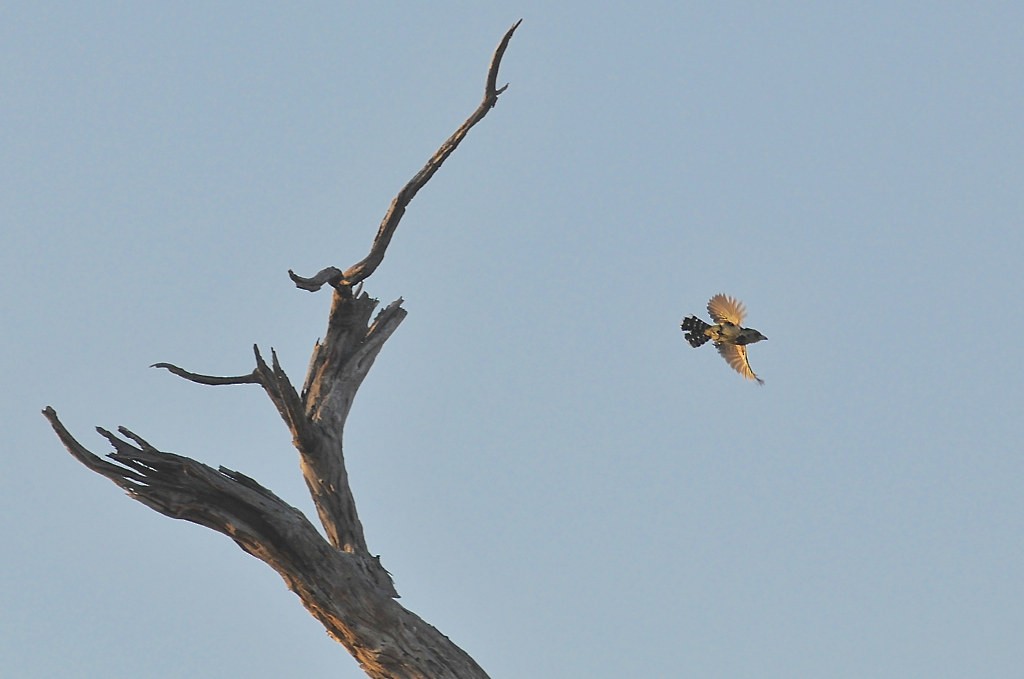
x=749 y=336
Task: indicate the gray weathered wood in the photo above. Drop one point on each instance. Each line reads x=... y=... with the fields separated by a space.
x=338 y=580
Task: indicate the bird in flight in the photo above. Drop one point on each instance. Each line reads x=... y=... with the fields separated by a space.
x=728 y=334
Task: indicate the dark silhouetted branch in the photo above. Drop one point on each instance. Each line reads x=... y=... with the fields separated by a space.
x=362 y=270
x=212 y=380
x=332 y=275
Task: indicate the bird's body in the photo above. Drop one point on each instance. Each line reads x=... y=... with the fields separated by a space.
x=727 y=333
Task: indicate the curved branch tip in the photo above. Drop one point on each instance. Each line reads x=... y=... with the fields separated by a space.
x=332 y=275
x=491 y=91
x=209 y=380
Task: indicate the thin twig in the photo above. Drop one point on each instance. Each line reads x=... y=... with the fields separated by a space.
x=212 y=380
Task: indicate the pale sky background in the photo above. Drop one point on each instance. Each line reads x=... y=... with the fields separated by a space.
x=557 y=481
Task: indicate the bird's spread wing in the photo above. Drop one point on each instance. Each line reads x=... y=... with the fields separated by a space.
x=726 y=309
x=736 y=356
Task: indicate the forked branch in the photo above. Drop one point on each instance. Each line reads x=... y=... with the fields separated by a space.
x=338 y=580
x=339 y=589
x=316 y=417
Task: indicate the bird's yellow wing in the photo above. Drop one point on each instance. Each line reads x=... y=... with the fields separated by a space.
x=726 y=309
x=736 y=356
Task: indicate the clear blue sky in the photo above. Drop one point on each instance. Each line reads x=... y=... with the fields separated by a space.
x=555 y=478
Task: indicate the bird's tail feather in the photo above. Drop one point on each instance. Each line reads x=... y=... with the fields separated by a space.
x=694 y=329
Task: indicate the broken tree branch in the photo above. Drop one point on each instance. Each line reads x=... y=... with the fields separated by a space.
x=341 y=590
x=361 y=270
x=316 y=418
x=338 y=580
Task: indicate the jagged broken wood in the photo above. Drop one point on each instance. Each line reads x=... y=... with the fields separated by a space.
x=338 y=580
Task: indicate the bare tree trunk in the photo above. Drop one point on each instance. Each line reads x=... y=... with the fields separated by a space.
x=339 y=582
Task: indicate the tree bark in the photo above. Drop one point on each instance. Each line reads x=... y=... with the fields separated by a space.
x=338 y=580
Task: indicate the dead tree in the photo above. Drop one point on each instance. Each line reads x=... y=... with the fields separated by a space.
x=338 y=580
